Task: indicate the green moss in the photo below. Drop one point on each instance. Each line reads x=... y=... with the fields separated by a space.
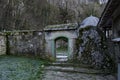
x=84 y=29
x=62 y=49
x=70 y=25
x=79 y=41
x=8 y=33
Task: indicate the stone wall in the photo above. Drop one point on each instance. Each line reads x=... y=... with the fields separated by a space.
x=93 y=49
x=2 y=44
x=25 y=43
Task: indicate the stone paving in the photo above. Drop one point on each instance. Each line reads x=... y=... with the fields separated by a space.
x=55 y=72
x=57 y=75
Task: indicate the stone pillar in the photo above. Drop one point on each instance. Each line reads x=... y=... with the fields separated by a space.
x=118 y=71
x=53 y=48
x=2 y=44
x=70 y=48
x=118 y=58
x=48 y=49
x=117 y=53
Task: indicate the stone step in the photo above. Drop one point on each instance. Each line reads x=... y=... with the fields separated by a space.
x=74 y=70
x=61 y=54
x=66 y=64
x=61 y=58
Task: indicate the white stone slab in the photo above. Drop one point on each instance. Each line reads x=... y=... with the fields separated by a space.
x=61 y=56
x=116 y=40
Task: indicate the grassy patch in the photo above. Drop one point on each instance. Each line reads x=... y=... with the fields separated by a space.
x=61 y=49
x=20 y=68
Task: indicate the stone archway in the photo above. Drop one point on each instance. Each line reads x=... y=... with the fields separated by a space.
x=50 y=37
x=61 y=48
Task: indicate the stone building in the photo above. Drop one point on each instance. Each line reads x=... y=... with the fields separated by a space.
x=110 y=24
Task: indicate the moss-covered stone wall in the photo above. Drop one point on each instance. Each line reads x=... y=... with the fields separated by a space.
x=2 y=44
x=92 y=49
x=26 y=43
x=22 y=43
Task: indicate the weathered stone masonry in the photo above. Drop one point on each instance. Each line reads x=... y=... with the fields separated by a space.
x=50 y=41
x=2 y=44
x=39 y=43
x=22 y=43
x=89 y=48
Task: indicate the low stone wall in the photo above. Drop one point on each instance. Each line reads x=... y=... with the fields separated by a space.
x=25 y=43
x=22 y=43
x=2 y=44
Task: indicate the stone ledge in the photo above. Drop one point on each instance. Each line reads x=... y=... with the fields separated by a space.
x=117 y=40
x=69 y=26
x=75 y=70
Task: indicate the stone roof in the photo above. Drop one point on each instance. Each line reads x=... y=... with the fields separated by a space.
x=70 y=26
x=89 y=21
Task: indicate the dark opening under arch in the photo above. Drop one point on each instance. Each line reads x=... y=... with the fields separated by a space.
x=61 y=48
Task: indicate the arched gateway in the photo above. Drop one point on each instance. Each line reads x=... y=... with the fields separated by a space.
x=66 y=31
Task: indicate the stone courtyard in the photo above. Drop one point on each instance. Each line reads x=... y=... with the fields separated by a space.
x=58 y=72
x=57 y=75
x=86 y=56
x=56 y=41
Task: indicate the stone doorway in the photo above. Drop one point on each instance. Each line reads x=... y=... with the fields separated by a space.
x=56 y=32
x=61 y=49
